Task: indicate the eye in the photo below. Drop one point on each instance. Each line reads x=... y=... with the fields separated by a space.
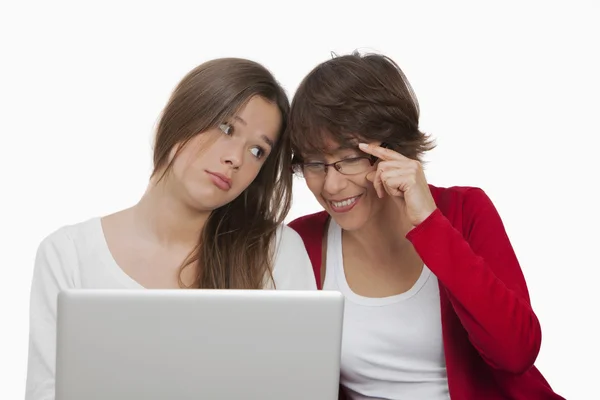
x=258 y=152
x=226 y=128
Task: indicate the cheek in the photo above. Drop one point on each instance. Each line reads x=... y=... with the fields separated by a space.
x=184 y=163
x=370 y=187
x=247 y=174
x=363 y=182
x=315 y=187
x=179 y=167
x=189 y=167
x=189 y=154
x=180 y=173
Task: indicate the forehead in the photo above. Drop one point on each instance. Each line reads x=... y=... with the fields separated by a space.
x=260 y=118
x=330 y=146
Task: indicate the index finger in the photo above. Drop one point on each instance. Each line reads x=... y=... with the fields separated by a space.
x=380 y=152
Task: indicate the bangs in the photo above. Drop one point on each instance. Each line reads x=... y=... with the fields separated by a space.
x=318 y=127
x=318 y=140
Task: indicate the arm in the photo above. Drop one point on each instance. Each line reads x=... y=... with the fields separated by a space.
x=484 y=282
x=292 y=266
x=53 y=272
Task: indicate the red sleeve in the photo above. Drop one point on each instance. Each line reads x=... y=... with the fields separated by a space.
x=484 y=282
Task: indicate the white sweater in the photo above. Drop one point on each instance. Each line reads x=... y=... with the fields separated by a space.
x=77 y=256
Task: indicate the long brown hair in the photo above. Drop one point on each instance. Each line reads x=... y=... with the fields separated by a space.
x=236 y=245
x=356 y=97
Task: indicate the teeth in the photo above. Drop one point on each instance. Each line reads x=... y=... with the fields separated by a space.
x=344 y=203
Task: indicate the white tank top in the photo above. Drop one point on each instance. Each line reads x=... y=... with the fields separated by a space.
x=392 y=347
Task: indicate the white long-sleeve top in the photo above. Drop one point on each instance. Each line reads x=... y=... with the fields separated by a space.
x=77 y=256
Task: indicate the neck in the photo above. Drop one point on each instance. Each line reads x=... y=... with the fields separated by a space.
x=383 y=237
x=163 y=218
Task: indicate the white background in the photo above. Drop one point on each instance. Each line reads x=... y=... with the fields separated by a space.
x=510 y=92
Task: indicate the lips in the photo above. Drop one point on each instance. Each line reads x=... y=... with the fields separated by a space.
x=344 y=205
x=220 y=180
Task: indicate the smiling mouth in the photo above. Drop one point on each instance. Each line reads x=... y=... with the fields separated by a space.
x=344 y=205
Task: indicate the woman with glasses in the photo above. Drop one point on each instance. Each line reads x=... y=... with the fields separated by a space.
x=436 y=303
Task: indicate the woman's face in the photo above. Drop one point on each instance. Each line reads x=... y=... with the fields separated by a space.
x=216 y=166
x=344 y=192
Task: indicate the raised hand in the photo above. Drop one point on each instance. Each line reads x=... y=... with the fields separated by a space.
x=404 y=180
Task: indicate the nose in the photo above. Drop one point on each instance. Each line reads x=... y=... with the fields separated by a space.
x=335 y=182
x=233 y=156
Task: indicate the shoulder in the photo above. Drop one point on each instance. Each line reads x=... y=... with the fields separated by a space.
x=59 y=240
x=288 y=238
x=61 y=248
x=461 y=200
x=469 y=209
x=310 y=225
x=291 y=267
x=447 y=197
x=72 y=235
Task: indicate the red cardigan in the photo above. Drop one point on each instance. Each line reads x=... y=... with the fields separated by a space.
x=491 y=334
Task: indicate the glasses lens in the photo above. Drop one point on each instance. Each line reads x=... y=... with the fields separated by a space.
x=354 y=166
x=312 y=169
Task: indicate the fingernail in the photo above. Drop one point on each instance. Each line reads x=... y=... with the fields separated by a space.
x=363 y=145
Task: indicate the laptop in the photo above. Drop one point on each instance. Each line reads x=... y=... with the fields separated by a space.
x=198 y=344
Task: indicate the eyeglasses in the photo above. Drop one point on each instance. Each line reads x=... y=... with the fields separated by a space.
x=347 y=166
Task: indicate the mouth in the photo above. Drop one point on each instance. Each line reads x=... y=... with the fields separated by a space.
x=344 y=205
x=221 y=181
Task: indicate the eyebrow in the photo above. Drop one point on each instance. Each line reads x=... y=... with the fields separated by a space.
x=267 y=141
x=263 y=137
x=240 y=119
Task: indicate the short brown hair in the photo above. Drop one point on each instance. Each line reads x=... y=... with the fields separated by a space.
x=236 y=247
x=355 y=98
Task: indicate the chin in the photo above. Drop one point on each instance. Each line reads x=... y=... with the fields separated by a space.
x=353 y=219
x=349 y=223
x=204 y=199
